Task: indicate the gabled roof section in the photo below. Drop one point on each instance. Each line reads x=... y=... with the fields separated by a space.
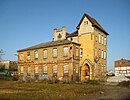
x=75 y=33
x=94 y=23
x=49 y=44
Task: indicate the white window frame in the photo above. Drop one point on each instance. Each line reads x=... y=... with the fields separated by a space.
x=55 y=52
x=36 y=54
x=66 y=69
x=21 y=56
x=105 y=41
x=55 y=69
x=45 y=70
x=102 y=54
x=45 y=53
x=36 y=69
x=65 y=51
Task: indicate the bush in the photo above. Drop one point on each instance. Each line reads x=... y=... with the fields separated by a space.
x=94 y=82
x=15 y=78
x=125 y=84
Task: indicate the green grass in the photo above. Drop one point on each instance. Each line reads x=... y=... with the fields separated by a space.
x=14 y=90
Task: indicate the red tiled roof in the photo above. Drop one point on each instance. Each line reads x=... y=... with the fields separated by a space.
x=75 y=33
x=94 y=23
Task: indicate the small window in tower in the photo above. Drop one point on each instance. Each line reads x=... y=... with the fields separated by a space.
x=59 y=35
x=85 y=22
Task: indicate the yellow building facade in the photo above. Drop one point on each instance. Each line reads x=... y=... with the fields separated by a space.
x=78 y=56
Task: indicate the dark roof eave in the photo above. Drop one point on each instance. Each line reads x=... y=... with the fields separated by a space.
x=100 y=29
x=47 y=46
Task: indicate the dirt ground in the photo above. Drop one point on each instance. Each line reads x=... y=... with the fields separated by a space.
x=41 y=91
x=109 y=93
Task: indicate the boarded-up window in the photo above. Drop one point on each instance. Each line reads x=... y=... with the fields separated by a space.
x=55 y=69
x=55 y=53
x=65 y=51
x=65 y=68
x=45 y=54
x=45 y=69
x=36 y=69
x=36 y=54
x=21 y=56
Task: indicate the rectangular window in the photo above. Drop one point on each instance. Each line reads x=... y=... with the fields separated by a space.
x=29 y=70
x=102 y=55
x=45 y=69
x=65 y=51
x=36 y=69
x=102 y=40
x=77 y=68
x=65 y=68
x=99 y=38
x=81 y=52
x=55 y=69
x=22 y=69
x=28 y=56
x=21 y=56
x=45 y=54
x=36 y=54
x=105 y=41
x=55 y=53
x=77 y=52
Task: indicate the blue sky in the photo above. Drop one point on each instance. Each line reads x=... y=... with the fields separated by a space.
x=24 y=23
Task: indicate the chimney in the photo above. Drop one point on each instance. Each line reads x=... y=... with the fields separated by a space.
x=55 y=31
x=63 y=32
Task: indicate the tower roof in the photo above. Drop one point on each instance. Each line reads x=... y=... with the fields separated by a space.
x=94 y=23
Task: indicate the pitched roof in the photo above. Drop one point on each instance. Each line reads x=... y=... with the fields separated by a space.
x=94 y=23
x=75 y=33
x=48 y=44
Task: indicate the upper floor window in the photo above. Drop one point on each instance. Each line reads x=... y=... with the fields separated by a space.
x=21 y=56
x=65 y=68
x=77 y=52
x=36 y=69
x=45 y=69
x=28 y=56
x=81 y=52
x=99 y=38
x=22 y=69
x=102 y=40
x=105 y=41
x=55 y=69
x=55 y=53
x=65 y=51
x=104 y=55
x=44 y=53
x=36 y=54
